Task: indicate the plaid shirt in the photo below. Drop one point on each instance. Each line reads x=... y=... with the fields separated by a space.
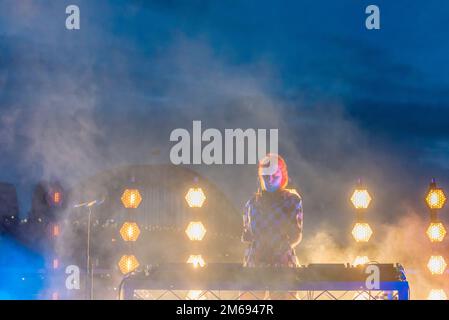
x=272 y=223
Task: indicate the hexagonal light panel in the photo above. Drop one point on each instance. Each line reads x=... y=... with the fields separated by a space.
x=196 y=260
x=196 y=295
x=128 y=263
x=362 y=232
x=195 y=231
x=361 y=199
x=436 y=232
x=437 y=294
x=435 y=198
x=360 y=260
x=436 y=265
x=130 y=231
x=195 y=197
x=131 y=198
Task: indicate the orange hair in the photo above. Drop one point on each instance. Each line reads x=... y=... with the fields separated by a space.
x=281 y=165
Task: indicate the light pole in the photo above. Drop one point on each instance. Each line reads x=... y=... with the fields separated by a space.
x=130 y=231
x=89 y=273
x=361 y=231
x=435 y=200
x=195 y=231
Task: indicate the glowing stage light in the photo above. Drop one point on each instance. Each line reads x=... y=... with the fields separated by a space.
x=54 y=196
x=196 y=260
x=436 y=265
x=55 y=230
x=131 y=198
x=361 y=199
x=195 y=295
x=362 y=232
x=195 y=231
x=436 y=232
x=57 y=197
x=437 y=294
x=195 y=197
x=130 y=231
x=359 y=260
x=128 y=264
x=435 y=198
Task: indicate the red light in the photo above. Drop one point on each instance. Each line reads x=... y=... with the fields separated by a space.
x=55 y=263
x=55 y=230
x=57 y=197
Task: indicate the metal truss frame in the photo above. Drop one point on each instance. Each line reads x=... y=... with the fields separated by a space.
x=145 y=294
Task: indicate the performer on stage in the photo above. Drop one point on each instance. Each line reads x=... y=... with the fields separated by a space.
x=273 y=219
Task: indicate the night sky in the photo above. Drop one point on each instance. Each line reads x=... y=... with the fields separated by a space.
x=348 y=102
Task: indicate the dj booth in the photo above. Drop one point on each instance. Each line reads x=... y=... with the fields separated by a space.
x=314 y=281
